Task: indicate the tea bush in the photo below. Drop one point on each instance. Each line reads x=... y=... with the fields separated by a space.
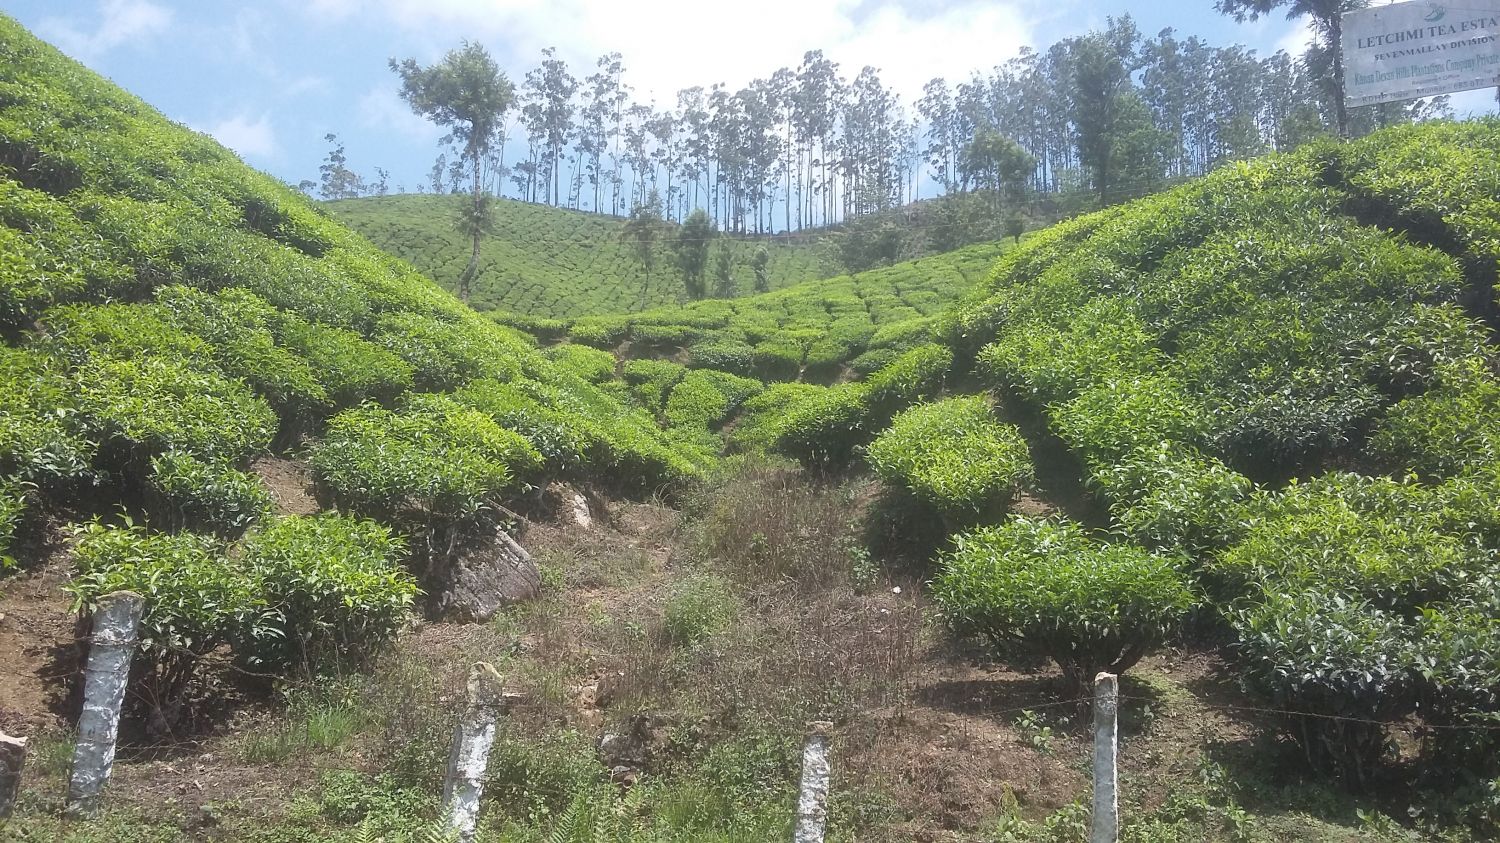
x=1329 y=656
x=1452 y=428
x=1045 y=587
x=436 y=461
x=149 y=405
x=954 y=455
x=1372 y=537
x=331 y=592
x=195 y=602
x=590 y=364
x=349 y=368
x=651 y=381
x=192 y=494
x=567 y=443
x=12 y=509
x=704 y=398
x=42 y=437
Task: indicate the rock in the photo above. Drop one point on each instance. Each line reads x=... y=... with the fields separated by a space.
x=633 y=747
x=481 y=578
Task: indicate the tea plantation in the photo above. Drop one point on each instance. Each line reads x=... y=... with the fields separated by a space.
x=1281 y=382
x=169 y=315
x=1257 y=415
x=553 y=262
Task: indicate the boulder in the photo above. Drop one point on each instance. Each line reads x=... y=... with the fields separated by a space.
x=482 y=577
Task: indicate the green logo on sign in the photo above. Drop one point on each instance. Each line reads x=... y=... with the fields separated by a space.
x=1436 y=14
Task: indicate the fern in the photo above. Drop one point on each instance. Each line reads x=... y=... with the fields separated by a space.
x=568 y=823
x=436 y=831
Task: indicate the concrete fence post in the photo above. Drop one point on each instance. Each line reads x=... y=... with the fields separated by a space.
x=12 y=759
x=812 y=798
x=463 y=783
x=1106 y=747
x=111 y=648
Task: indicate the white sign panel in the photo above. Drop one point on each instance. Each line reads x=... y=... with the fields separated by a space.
x=1409 y=50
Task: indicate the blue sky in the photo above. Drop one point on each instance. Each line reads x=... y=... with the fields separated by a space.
x=270 y=78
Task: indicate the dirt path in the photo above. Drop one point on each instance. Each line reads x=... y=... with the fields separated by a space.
x=37 y=656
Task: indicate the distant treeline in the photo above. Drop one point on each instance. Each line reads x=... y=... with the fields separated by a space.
x=1105 y=116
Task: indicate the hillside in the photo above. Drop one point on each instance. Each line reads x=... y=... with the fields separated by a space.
x=171 y=317
x=551 y=262
x=1239 y=441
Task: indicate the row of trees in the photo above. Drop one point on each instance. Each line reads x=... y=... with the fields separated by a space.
x=1111 y=112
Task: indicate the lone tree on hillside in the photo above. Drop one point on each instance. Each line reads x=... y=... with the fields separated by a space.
x=691 y=245
x=467 y=94
x=760 y=264
x=724 y=286
x=1328 y=24
x=641 y=232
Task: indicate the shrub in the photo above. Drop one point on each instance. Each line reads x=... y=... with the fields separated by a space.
x=566 y=441
x=41 y=436
x=916 y=374
x=437 y=461
x=237 y=327
x=591 y=364
x=704 y=397
x=736 y=358
x=1448 y=430
x=443 y=354
x=197 y=495
x=149 y=405
x=1326 y=655
x=662 y=336
x=195 y=603
x=698 y=608
x=777 y=359
x=761 y=416
x=1046 y=588
x=651 y=380
x=331 y=589
x=599 y=332
x=12 y=509
x=1109 y=420
x=1170 y=498
x=873 y=360
x=547 y=330
x=824 y=428
x=1375 y=538
x=955 y=456
x=350 y=368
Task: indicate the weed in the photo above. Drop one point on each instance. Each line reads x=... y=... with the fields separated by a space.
x=1034 y=732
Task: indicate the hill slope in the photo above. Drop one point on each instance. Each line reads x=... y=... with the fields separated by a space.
x=1280 y=384
x=170 y=315
x=550 y=262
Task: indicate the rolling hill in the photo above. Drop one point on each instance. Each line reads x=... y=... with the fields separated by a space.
x=1249 y=428
x=551 y=262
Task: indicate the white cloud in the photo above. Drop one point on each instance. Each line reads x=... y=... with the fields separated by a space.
x=119 y=22
x=673 y=44
x=381 y=109
x=246 y=135
x=1298 y=37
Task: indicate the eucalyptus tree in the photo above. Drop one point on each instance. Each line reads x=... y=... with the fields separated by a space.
x=337 y=181
x=696 y=149
x=467 y=94
x=819 y=90
x=938 y=112
x=1327 y=18
x=550 y=89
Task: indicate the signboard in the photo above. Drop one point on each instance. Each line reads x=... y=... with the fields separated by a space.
x=1409 y=50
